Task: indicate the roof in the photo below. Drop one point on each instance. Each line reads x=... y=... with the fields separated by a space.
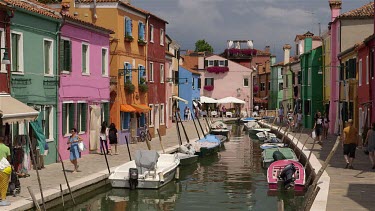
x=303 y=36
x=35 y=6
x=190 y=62
x=262 y=53
x=350 y=50
x=366 y=11
x=75 y=19
x=190 y=70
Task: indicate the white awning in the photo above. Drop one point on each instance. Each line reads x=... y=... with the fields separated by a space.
x=204 y=99
x=12 y=110
x=231 y=100
x=180 y=99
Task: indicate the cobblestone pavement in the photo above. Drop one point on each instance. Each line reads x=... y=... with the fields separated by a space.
x=53 y=175
x=350 y=189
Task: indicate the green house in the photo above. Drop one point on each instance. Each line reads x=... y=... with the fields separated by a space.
x=312 y=82
x=34 y=76
x=276 y=95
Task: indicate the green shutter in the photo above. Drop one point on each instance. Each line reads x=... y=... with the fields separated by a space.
x=69 y=56
x=46 y=123
x=205 y=63
x=61 y=55
x=106 y=112
x=72 y=111
x=64 y=115
x=216 y=63
x=226 y=63
x=83 y=116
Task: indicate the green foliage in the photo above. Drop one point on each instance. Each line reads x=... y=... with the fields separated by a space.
x=129 y=38
x=129 y=87
x=143 y=88
x=202 y=45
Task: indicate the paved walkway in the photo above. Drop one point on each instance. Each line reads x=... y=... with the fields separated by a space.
x=53 y=175
x=350 y=189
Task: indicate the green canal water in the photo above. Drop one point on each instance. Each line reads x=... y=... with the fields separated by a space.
x=231 y=180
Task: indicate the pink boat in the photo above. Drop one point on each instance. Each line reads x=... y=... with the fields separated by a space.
x=286 y=173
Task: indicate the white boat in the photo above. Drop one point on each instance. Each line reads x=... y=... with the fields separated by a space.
x=271 y=145
x=264 y=135
x=148 y=170
x=186 y=154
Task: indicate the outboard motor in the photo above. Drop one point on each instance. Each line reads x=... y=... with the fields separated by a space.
x=286 y=176
x=133 y=178
x=278 y=156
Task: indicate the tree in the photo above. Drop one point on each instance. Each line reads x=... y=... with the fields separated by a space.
x=202 y=45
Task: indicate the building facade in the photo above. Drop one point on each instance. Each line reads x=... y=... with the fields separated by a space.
x=5 y=43
x=287 y=80
x=189 y=90
x=276 y=92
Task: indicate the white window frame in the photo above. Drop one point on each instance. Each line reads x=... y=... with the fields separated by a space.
x=367 y=71
x=162 y=73
x=51 y=120
x=2 y=45
x=87 y=58
x=360 y=121
x=51 y=50
x=106 y=67
x=151 y=76
x=152 y=33
x=151 y=116
x=161 y=114
x=360 y=73
x=243 y=82
x=162 y=37
x=210 y=61
x=221 y=61
x=20 y=56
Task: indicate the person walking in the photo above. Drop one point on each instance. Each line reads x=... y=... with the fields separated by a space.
x=189 y=114
x=186 y=113
x=113 y=137
x=325 y=126
x=4 y=173
x=103 y=139
x=73 y=141
x=281 y=115
x=318 y=127
x=299 y=121
x=370 y=142
x=349 y=142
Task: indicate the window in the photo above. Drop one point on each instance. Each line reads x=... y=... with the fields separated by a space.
x=360 y=73
x=141 y=74
x=199 y=83
x=48 y=57
x=286 y=81
x=141 y=31
x=209 y=82
x=351 y=69
x=162 y=114
x=141 y=120
x=151 y=33
x=128 y=28
x=17 y=52
x=360 y=114
x=161 y=36
x=210 y=63
x=125 y=120
x=221 y=63
x=65 y=55
x=85 y=59
x=162 y=73
x=269 y=85
x=47 y=122
x=246 y=82
x=281 y=86
x=68 y=114
x=151 y=72
x=105 y=112
x=150 y=115
x=128 y=73
x=104 y=62
x=308 y=76
x=175 y=77
x=2 y=45
x=262 y=86
x=81 y=117
x=367 y=71
x=342 y=71
x=193 y=83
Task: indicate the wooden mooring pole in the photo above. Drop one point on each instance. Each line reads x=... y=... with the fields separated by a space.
x=62 y=196
x=33 y=198
x=161 y=144
x=280 y=205
x=195 y=125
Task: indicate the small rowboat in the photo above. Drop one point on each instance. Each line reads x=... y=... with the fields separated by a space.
x=271 y=145
x=286 y=174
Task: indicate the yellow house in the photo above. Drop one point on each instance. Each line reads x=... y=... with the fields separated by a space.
x=128 y=51
x=326 y=69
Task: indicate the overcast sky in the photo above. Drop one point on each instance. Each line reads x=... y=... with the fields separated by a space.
x=267 y=22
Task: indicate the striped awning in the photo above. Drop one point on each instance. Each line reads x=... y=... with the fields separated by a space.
x=127 y=108
x=141 y=107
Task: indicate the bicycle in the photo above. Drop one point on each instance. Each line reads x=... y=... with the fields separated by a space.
x=144 y=134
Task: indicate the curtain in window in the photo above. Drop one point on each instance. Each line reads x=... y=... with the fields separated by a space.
x=141 y=31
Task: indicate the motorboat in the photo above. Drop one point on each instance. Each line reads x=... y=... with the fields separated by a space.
x=264 y=135
x=271 y=145
x=273 y=140
x=220 y=128
x=210 y=144
x=286 y=174
x=274 y=154
x=248 y=119
x=149 y=170
x=254 y=128
x=186 y=154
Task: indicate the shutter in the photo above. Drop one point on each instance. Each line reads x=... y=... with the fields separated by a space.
x=46 y=123
x=199 y=83
x=72 y=112
x=205 y=81
x=129 y=27
x=139 y=74
x=64 y=114
x=347 y=67
x=342 y=69
x=144 y=31
x=130 y=72
x=216 y=63
x=61 y=55
x=139 y=31
x=126 y=29
x=106 y=112
x=226 y=63
x=125 y=67
x=69 y=56
x=205 y=63
x=354 y=71
x=83 y=116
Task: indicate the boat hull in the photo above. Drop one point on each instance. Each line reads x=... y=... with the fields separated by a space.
x=185 y=161
x=277 y=167
x=204 y=151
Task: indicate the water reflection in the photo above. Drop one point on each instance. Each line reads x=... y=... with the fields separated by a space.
x=233 y=179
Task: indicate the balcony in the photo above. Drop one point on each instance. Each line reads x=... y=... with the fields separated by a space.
x=217 y=69
x=234 y=53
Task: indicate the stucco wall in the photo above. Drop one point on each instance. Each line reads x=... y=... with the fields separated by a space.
x=4 y=42
x=187 y=91
x=355 y=31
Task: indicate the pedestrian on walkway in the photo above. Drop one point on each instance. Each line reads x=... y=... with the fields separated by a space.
x=299 y=120
x=349 y=142
x=73 y=141
x=318 y=127
x=186 y=113
x=113 y=137
x=4 y=173
x=370 y=142
x=189 y=114
x=325 y=126
x=103 y=138
x=281 y=115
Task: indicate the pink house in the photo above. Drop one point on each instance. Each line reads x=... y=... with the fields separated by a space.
x=84 y=82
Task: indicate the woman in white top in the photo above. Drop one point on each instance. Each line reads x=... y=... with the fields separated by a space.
x=103 y=138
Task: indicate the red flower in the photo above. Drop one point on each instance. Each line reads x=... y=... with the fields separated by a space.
x=217 y=69
x=209 y=88
x=247 y=52
x=256 y=88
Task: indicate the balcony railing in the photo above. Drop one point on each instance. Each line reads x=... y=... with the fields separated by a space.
x=240 y=53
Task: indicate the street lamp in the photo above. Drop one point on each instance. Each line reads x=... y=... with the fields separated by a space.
x=5 y=56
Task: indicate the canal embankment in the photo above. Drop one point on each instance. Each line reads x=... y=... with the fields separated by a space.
x=93 y=172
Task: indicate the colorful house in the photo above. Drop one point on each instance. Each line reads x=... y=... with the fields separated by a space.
x=5 y=43
x=312 y=81
x=156 y=75
x=276 y=92
x=34 y=78
x=188 y=90
x=84 y=81
x=326 y=41
x=287 y=80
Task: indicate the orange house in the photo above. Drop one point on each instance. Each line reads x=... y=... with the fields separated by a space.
x=128 y=56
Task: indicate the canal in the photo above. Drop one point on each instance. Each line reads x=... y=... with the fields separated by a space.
x=231 y=180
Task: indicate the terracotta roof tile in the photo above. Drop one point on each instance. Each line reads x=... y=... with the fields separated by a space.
x=35 y=6
x=302 y=37
x=190 y=62
x=75 y=19
x=190 y=70
x=366 y=11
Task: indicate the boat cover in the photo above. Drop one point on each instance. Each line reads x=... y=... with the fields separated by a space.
x=146 y=160
x=286 y=152
x=219 y=125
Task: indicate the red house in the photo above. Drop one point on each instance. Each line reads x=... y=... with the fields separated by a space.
x=4 y=43
x=156 y=75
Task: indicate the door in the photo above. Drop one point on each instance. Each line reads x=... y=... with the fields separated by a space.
x=157 y=119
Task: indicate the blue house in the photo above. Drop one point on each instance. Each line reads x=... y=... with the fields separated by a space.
x=188 y=88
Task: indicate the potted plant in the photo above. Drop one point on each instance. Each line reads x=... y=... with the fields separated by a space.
x=209 y=88
x=141 y=42
x=129 y=87
x=143 y=88
x=129 y=38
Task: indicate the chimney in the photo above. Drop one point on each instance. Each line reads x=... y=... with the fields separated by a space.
x=308 y=41
x=65 y=5
x=267 y=49
x=286 y=49
x=335 y=6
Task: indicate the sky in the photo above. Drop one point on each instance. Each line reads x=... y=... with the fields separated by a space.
x=266 y=22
